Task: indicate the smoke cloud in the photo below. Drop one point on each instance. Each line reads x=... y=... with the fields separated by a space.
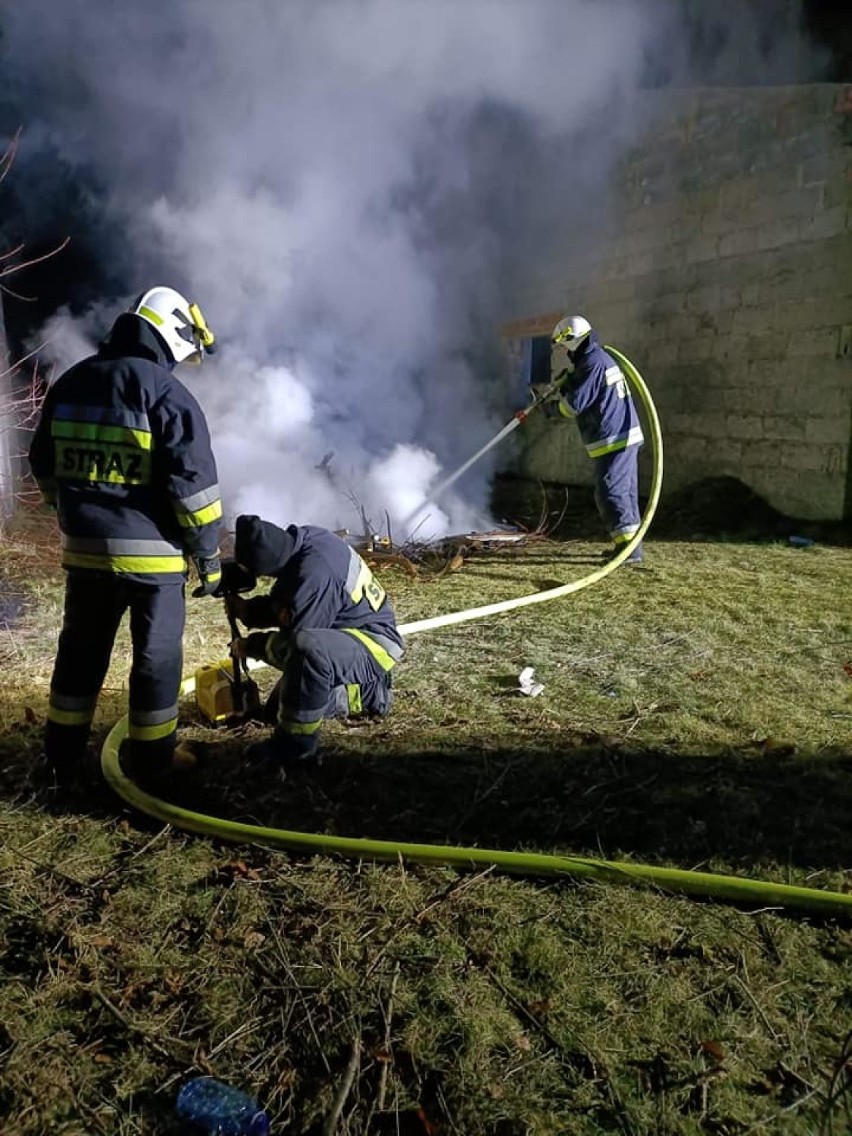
x=352 y=190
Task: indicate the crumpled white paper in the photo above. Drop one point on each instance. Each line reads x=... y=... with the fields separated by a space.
x=527 y=683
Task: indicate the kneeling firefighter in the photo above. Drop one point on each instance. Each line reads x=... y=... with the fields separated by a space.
x=334 y=635
x=122 y=451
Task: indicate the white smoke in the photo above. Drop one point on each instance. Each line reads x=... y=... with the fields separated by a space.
x=350 y=189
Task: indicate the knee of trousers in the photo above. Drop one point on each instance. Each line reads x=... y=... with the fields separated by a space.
x=310 y=664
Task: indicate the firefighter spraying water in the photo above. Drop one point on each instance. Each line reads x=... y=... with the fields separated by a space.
x=593 y=390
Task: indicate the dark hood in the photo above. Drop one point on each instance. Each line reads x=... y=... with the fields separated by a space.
x=589 y=344
x=262 y=547
x=131 y=335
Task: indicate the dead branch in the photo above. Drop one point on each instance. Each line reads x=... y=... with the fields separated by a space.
x=388 y=1016
x=33 y=260
x=377 y=559
x=330 y=1126
x=7 y=158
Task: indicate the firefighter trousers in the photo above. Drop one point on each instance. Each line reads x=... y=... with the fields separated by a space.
x=95 y=604
x=327 y=674
x=617 y=493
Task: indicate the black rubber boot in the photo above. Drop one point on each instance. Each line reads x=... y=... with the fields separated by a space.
x=282 y=755
x=635 y=558
x=152 y=772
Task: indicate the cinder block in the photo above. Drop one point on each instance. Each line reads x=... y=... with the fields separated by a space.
x=732 y=349
x=754 y=321
x=743 y=193
x=664 y=353
x=828 y=223
x=783 y=428
x=727 y=456
x=687 y=424
x=820 y=342
x=694 y=350
x=823 y=167
x=745 y=426
x=830 y=310
x=821 y=431
x=838 y=191
x=786 y=398
x=703 y=248
x=713 y=425
x=811 y=495
x=790 y=286
x=773 y=347
x=734 y=400
x=769 y=454
x=738 y=243
x=772 y=234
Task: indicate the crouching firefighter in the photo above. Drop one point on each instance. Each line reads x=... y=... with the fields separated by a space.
x=122 y=451
x=329 y=628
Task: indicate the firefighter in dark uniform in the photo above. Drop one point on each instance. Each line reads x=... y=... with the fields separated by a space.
x=122 y=451
x=596 y=394
x=333 y=637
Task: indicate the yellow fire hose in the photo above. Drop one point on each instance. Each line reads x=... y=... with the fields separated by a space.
x=708 y=885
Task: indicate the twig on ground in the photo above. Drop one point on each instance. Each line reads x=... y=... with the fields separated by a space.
x=387 y=1013
x=240 y=1031
x=132 y=1028
x=345 y=1088
x=128 y=858
x=454 y=888
x=746 y=989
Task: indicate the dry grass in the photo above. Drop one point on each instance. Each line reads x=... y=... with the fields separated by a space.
x=697 y=713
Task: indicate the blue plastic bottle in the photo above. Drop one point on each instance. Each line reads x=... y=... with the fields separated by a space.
x=221 y=1110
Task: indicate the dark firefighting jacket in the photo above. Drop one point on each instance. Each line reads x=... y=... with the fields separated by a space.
x=123 y=451
x=597 y=393
x=322 y=583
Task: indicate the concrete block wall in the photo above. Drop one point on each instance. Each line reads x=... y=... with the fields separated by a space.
x=728 y=282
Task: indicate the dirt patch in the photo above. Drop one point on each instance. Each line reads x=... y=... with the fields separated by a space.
x=715 y=508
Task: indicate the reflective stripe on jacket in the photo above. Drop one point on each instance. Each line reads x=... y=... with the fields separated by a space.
x=598 y=394
x=123 y=451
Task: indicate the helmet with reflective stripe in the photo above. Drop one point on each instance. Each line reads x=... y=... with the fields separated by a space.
x=571 y=331
x=179 y=323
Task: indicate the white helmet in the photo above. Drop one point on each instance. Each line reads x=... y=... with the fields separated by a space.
x=571 y=331
x=179 y=323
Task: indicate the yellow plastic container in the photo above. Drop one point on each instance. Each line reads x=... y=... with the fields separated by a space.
x=214 y=690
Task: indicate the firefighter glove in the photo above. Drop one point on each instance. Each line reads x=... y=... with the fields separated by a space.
x=209 y=577
x=235 y=579
x=254 y=646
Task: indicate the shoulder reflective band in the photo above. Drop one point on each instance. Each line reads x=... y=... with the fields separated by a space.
x=361 y=584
